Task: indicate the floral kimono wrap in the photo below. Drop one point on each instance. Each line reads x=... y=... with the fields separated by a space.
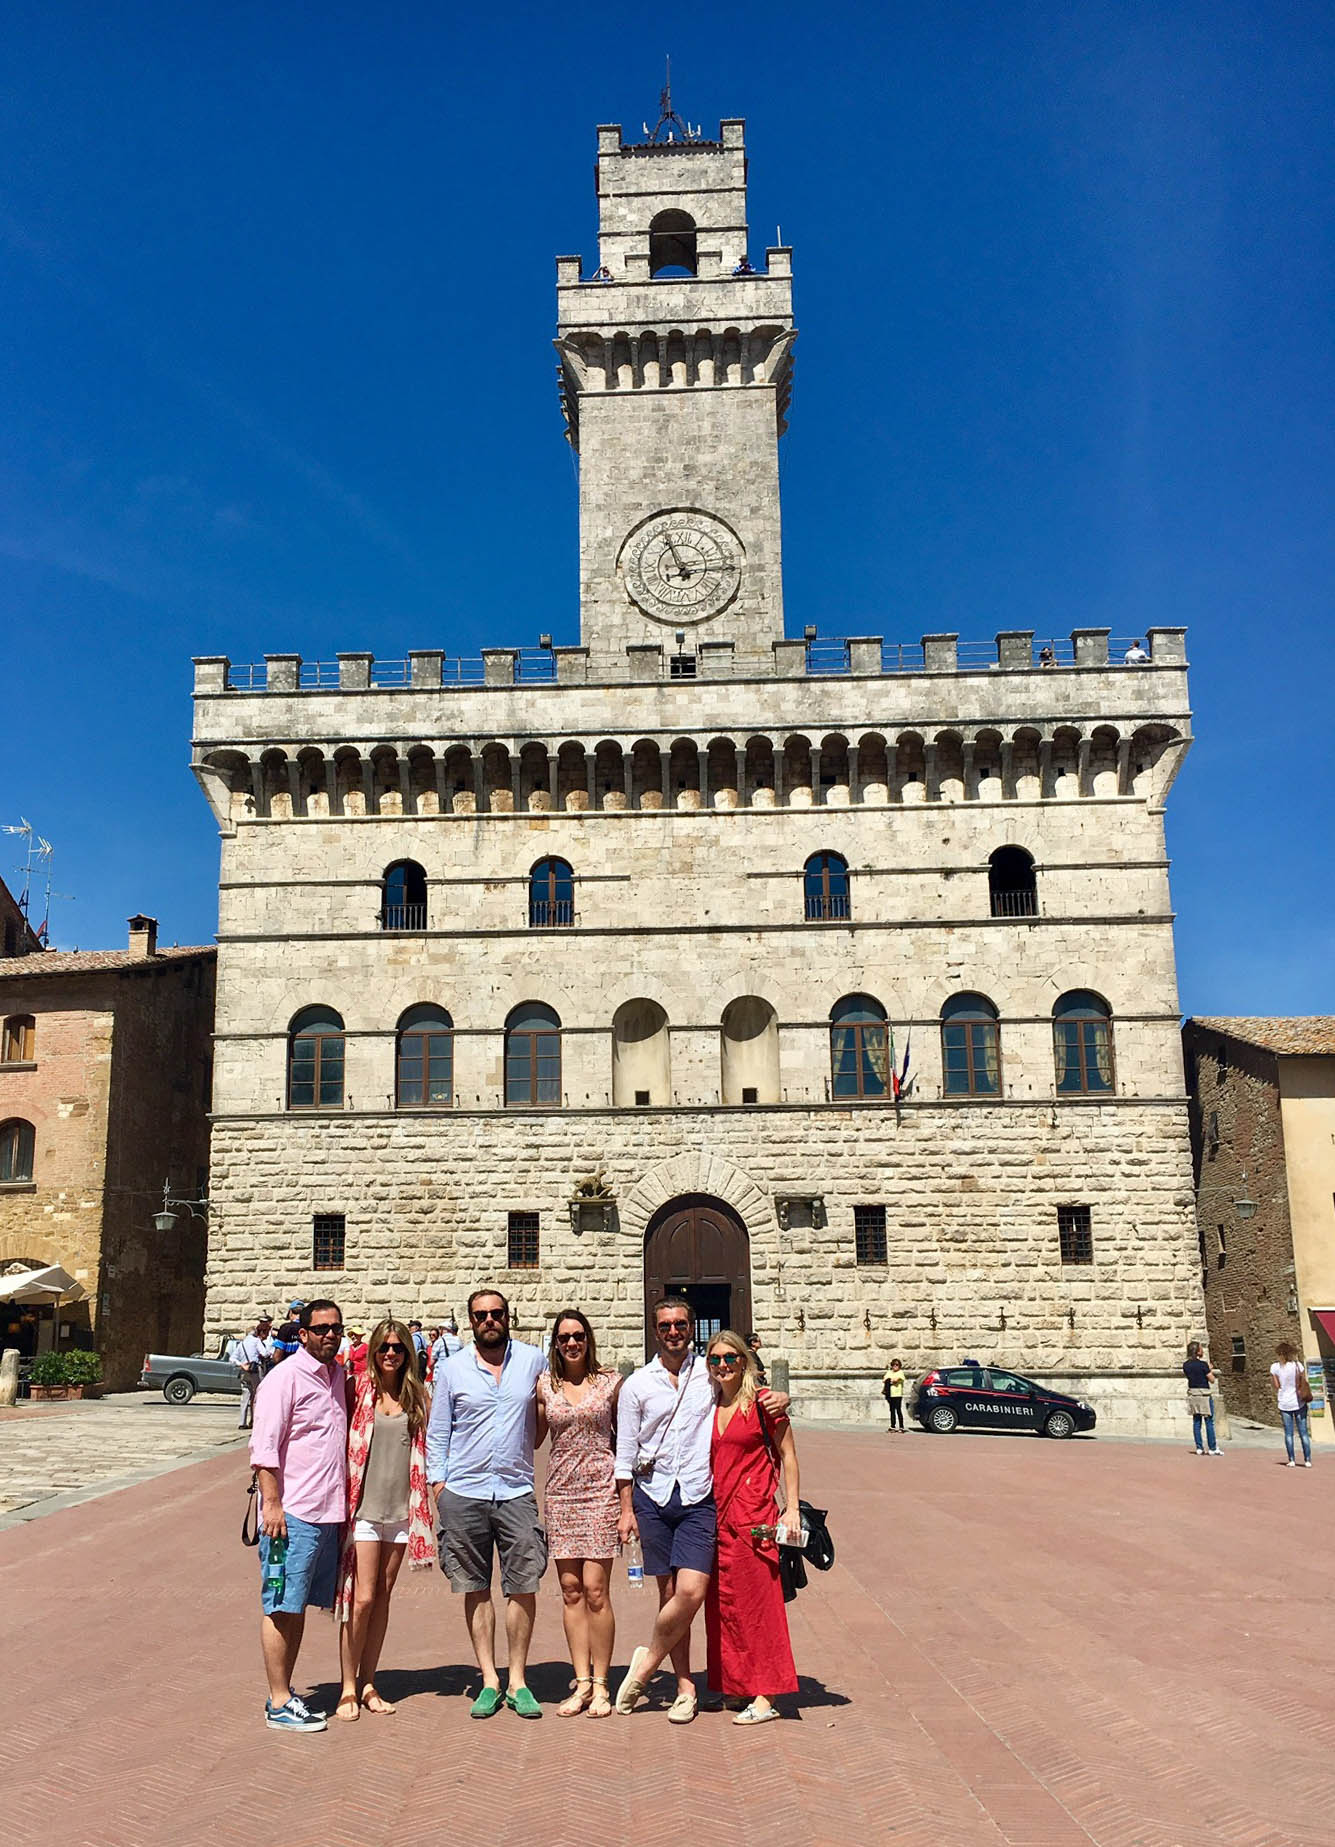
x=421 y=1536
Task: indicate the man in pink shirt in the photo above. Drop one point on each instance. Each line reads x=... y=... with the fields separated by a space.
x=299 y=1450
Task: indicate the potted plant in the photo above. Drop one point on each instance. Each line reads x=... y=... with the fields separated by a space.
x=83 y=1372
x=49 y=1378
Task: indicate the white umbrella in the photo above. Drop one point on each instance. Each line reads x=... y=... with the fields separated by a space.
x=51 y=1284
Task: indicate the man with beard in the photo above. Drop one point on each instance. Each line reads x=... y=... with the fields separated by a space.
x=479 y=1455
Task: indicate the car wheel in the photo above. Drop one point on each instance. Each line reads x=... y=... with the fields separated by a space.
x=942 y=1419
x=1059 y=1424
x=179 y=1390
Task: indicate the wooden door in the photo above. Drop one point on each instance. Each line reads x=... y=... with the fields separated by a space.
x=698 y=1248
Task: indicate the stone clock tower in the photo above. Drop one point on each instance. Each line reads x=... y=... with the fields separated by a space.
x=676 y=368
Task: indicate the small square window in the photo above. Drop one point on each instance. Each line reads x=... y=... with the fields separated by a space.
x=869 y=1232
x=1075 y=1234
x=641 y=1099
x=329 y=1241
x=750 y=1094
x=1221 y=1247
x=522 y=1252
x=1239 y=1353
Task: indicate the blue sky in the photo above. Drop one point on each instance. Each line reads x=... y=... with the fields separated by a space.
x=278 y=301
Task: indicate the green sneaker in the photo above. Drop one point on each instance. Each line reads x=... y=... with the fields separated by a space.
x=487 y=1704
x=522 y=1702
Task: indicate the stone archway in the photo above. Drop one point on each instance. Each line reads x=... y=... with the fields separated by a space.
x=697 y=1247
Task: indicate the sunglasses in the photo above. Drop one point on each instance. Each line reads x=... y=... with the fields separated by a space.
x=391 y=1346
x=724 y=1359
x=576 y=1339
x=490 y=1314
x=321 y=1329
x=673 y=1327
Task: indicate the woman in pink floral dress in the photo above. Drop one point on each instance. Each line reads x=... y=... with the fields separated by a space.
x=577 y=1403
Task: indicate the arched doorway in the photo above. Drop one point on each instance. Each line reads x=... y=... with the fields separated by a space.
x=698 y=1248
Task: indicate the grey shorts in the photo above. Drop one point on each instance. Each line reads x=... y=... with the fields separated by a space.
x=471 y=1532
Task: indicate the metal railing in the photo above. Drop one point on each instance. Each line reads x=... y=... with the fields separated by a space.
x=1023 y=903
x=551 y=913
x=403 y=917
x=828 y=908
x=827 y=656
x=535 y=667
x=318 y=673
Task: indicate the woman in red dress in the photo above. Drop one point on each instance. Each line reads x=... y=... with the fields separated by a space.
x=745 y=1622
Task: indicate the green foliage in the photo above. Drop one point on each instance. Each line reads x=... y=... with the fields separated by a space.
x=82 y=1367
x=49 y=1369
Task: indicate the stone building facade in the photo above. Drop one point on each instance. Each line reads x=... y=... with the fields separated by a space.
x=594 y=969
x=105 y=1060
x=1263 y=1143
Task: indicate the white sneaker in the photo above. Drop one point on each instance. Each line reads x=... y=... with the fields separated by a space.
x=1216 y=1452
x=1290 y=1464
x=1307 y=1465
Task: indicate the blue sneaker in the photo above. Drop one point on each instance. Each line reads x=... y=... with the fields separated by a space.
x=294 y=1716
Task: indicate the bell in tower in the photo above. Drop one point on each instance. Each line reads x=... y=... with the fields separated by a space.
x=676 y=369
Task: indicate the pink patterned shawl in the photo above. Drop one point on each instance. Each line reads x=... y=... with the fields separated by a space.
x=421 y=1532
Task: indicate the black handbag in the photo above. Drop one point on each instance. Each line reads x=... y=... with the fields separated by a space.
x=819 y=1548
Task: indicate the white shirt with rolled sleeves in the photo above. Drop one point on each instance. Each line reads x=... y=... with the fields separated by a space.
x=673 y=1423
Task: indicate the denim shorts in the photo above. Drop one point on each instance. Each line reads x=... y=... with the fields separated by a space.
x=673 y=1537
x=310 y=1572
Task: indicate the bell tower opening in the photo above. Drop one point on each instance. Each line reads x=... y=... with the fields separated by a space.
x=672 y=244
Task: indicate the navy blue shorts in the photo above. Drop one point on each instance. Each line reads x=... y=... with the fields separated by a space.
x=310 y=1575
x=675 y=1538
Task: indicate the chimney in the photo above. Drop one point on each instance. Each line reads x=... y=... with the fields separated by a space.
x=143 y=937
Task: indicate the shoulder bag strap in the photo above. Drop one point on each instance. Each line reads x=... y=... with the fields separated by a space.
x=250 y=1519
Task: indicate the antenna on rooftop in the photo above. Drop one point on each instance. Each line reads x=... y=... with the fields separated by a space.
x=669 y=126
x=39 y=859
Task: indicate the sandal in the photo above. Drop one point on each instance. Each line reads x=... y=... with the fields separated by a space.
x=577 y=1700
x=601 y=1705
x=372 y=1701
x=347 y=1707
x=757 y=1715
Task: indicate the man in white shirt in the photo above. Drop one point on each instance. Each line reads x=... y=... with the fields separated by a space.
x=1135 y=655
x=665 y=1429
x=252 y=1358
x=446 y=1344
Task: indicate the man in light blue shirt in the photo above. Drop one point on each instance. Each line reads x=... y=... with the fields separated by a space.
x=479 y=1458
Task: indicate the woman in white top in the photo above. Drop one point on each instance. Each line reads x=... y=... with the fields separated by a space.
x=1286 y=1372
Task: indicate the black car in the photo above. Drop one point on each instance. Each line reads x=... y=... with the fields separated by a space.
x=974 y=1397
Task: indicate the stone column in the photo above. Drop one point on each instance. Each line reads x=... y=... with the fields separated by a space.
x=665 y=761
x=931 y=787
x=368 y=784
x=443 y=802
x=817 y=791
x=257 y=786
x=554 y=780
x=479 y=784
x=970 y=787
x=628 y=778
x=294 y=786
x=1124 y=766
x=405 y=786
x=702 y=760
x=590 y=778
x=1082 y=766
x=1044 y=768
x=1007 y=769
x=9 y=1376
x=854 y=776
x=778 y=776
x=514 y=780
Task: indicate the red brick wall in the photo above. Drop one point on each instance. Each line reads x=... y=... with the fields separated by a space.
x=1238 y=1151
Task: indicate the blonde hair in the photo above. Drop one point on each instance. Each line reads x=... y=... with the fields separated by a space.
x=729 y=1338
x=411 y=1393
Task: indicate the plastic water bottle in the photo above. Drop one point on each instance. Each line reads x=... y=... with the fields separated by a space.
x=634 y=1564
x=275 y=1567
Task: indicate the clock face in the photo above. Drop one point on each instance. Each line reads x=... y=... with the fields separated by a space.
x=683 y=566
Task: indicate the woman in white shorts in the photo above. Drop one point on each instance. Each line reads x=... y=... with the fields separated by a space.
x=388 y=1508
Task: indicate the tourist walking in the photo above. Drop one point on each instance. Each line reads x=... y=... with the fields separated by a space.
x=479 y=1445
x=1293 y=1395
x=1200 y=1378
x=892 y=1390
x=446 y=1344
x=252 y=1356
x=389 y=1511
x=577 y=1405
x=299 y=1451
x=665 y=1420
x=746 y=1627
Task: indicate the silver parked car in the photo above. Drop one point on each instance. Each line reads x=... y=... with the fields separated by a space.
x=180 y=1378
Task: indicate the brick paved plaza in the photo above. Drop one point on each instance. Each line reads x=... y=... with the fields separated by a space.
x=1022 y=1642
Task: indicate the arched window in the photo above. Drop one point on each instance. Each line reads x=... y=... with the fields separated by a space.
x=315 y=1060
x=16 y=1145
x=1082 y=1043
x=859 y=1048
x=1011 y=884
x=533 y=1056
x=970 y=1047
x=424 y=1058
x=19 y=1039
x=551 y=895
x=672 y=244
x=825 y=885
x=404 y=903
